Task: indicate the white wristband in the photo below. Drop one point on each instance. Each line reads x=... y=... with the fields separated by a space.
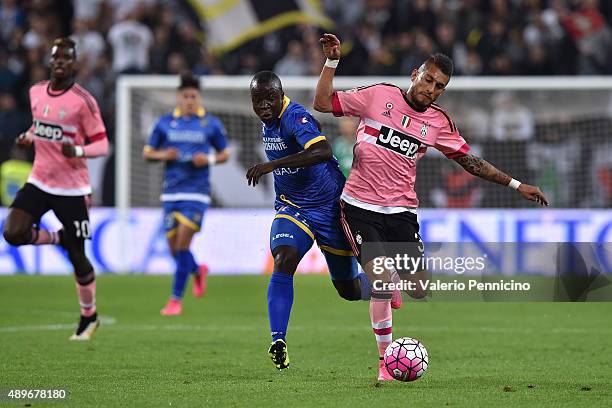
x=78 y=151
x=514 y=184
x=332 y=63
x=212 y=159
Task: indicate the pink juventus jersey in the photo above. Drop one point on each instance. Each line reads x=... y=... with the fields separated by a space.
x=71 y=115
x=391 y=138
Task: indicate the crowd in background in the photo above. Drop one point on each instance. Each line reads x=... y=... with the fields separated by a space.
x=380 y=37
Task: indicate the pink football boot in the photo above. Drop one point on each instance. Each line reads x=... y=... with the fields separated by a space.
x=383 y=374
x=199 y=282
x=173 y=308
x=396 y=299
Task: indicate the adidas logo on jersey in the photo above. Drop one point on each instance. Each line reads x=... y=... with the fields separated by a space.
x=398 y=142
x=387 y=112
x=48 y=131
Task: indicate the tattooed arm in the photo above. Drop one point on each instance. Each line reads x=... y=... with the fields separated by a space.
x=483 y=169
x=479 y=167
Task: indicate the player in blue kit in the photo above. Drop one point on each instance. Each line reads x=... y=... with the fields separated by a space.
x=189 y=140
x=308 y=184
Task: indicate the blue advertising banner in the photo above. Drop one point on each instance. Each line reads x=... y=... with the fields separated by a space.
x=235 y=241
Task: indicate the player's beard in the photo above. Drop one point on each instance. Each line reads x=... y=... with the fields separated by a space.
x=413 y=98
x=425 y=101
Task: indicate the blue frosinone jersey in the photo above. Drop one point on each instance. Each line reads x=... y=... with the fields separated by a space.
x=294 y=131
x=200 y=133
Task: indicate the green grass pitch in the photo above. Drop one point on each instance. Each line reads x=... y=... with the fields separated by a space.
x=481 y=354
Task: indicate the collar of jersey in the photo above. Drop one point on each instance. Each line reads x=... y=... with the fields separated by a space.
x=200 y=112
x=286 y=101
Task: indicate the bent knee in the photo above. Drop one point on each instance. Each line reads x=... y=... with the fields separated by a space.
x=286 y=261
x=417 y=294
x=15 y=237
x=349 y=295
x=349 y=292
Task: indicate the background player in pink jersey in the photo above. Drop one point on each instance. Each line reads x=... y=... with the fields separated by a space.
x=379 y=201
x=67 y=128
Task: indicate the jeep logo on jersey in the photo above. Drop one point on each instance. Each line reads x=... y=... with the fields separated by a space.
x=398 y=142
x=48 y=131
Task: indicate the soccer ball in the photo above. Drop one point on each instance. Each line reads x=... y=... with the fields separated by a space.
x=406 y=359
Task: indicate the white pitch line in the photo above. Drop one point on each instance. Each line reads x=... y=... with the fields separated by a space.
x=105 y=320
x=42 y=327
x=110 y=321
x=356 y=328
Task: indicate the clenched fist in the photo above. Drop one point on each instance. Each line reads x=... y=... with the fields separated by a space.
x=69 y=150
x=23 y=140
x=331 y=46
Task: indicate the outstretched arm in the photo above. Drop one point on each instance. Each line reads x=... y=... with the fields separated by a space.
x=479 y=167
x=483 y=169
x=316 y=153
x=325 y=87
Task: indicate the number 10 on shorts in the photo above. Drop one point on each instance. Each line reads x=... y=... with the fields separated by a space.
x=82 y=229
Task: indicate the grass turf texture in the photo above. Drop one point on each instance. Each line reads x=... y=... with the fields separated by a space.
x=481 y=354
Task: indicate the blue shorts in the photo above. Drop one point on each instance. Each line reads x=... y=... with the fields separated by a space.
x=300 y=227
x=189 y=213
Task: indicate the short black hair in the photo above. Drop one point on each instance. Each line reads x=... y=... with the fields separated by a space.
x=266 y=78
x=189 y=81
x=442 y=61
x=65 y=42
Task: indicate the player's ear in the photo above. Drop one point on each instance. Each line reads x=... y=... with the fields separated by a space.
x=414 y=74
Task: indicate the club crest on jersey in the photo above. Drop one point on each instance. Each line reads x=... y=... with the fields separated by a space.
x=46 y=110
x=424 y=131
x=398 y=142
x=61 y=114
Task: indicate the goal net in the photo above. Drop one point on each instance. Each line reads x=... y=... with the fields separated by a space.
x=553 y=132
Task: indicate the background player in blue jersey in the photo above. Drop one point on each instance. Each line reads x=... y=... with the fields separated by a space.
x=189 y=140
x=308 y=183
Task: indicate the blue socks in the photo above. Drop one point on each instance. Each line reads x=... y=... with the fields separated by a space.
x=280 y=300
x=184 y=266
x=194 y=268
x=365 y=286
